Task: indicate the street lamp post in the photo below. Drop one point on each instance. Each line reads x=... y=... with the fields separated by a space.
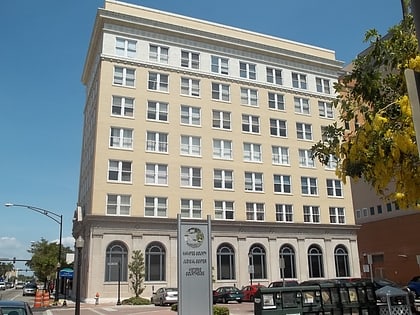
x=80 y=242
x=250 y=267
x=58 y=218
x=119 y=283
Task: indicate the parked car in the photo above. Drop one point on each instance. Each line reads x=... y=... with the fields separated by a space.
x=165 y=296
x=226 y=294
x=250 y=290
x=29 y=289
x=19 y=285
x=2 y=285
x=287 y=283
x=15 y=307
x=414 y=286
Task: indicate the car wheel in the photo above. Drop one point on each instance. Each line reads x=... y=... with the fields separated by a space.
x=239 y=301
x=161 y=302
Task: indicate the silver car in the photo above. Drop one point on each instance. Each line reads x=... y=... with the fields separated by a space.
x=30 y=289
x=165 y=296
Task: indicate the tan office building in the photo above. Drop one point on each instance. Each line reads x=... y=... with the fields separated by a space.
x=184 y=116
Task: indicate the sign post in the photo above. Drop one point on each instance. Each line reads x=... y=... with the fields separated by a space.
x=195 y=292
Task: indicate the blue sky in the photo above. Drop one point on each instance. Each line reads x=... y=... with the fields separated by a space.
x=44 y=44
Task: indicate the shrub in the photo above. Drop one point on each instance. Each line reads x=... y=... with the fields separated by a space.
x=136 y=301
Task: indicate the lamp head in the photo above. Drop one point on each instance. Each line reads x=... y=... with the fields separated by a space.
x=80 y=242
x=8 y=204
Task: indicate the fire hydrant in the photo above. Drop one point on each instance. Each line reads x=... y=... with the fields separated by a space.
x=97 y=298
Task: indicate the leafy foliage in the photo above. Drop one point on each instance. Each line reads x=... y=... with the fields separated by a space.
x=4 y=268
x=136 y=301
x=136 y=268
x=381 y=148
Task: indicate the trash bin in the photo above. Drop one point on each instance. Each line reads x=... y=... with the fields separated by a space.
x=393 y=301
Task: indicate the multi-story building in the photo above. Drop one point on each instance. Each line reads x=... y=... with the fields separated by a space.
x=189 y=117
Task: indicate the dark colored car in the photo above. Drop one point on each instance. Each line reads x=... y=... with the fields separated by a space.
x=29 y=289
x=226 y=294
x=165 y=296
x=250 y=290
x=414 y=286
x=287 y=283
x=14 y=307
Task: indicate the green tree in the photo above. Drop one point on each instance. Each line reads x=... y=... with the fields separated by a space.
x=4 y=268
x=381 y=148
x=136 y=268
x=44 y=259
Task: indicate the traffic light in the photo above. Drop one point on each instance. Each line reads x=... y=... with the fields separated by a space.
x=14 y=259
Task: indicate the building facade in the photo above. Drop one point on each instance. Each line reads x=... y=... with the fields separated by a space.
x=184 y=116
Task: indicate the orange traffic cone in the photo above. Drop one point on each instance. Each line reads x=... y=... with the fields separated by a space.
x=38 y=299
x=46 y=299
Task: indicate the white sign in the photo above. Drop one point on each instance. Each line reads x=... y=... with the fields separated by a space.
x=195 y=292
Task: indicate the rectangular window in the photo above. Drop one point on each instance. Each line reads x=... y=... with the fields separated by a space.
x=323 y=85
x=157 y=111
x=158 y=54
x=278 y=127
x=247 y=70
x=223 y=210
x=299 y=80
x=156 y=174
x=221 y=120
x=249 y=97
x=124 y=76
x=280 y=155
x=332 y=163
x=282 y=184
x=220 y=92
x=253 y=181
x=284 y=213
x=276 y=101
x=223 y=179
x=190 y=145
x=304 y=131
x=255 y=211
x=274 y=76
x=250 y=124
x=222 y=149
x=372 y=210
x=118 y=204
x=121 y=138
x=155 y=206
x=191 y=208
x=190 y=59
x=301 y=105
x=158 y=82
x=156 y=141
x=119 y=171
x=305 y=158
x=190 y=115
x=252 y=152
x=309 y=186
x=311 y=214
x=125 y=47
x=325 y=109
x=337 y=215
x=122 y=106
x=219 y=65
x=389 y=207
x=334 y=188
x=190 y=176
x=190 y=87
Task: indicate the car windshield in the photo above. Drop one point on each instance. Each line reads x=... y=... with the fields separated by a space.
x=171 y=289
x=13 y=311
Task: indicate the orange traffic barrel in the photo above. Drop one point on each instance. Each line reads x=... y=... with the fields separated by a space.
x=38 y=299
x=46 y=299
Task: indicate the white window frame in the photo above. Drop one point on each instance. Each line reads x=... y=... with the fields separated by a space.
x=222 y=149
x=252 y=152
x=323 y=85
x=190 y=59
x=337 y=215
x=190 y=145
x=278 y=128
x=299 y=80
x=156 y=141
x=303 y=131
x=254 y=181
x=326 y=109
x=284 y=182
x=219 y=65
x=121 y=138
x=274 y=76
x=255 y=211
x=332 y=163
x=249 y=97
x=220 y=92
x=124 y=76
x=123 y=170
x=309 y=186
x=224 y=210
x=160 y=111
x=222 y=179
x=276 y=101
x=190 y=176
x=158 y=53
x=250 y=124
x=247 y=70
x=157 y=205
x=122 y=106
x=301 y=105
x=311 y=214
x=190 y=115
x=191 y=208
x=280 y=155
x=158 y=82
x=305 y=158
x=222 y=120
x=122 y=205
x=125 y=47
x=156 y=174
x=284 y=212
x=190 y=87
x=334 y=188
